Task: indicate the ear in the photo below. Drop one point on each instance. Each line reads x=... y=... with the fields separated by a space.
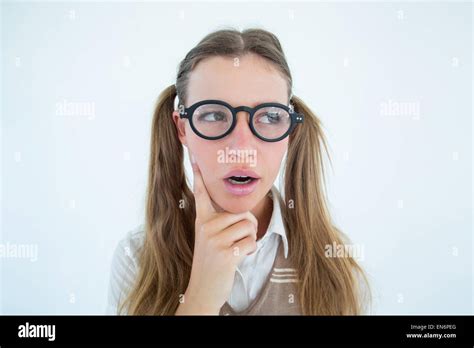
x=181 y=127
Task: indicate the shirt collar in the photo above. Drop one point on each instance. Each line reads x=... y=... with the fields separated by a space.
x=276 y=222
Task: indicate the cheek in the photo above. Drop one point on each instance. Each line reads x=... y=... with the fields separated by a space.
x=205 y=153
x=272 y=154
x=196 y=144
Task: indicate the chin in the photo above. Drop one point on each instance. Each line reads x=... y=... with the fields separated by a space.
x=239 y=204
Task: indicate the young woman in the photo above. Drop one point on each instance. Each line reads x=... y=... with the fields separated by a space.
x=235 y=246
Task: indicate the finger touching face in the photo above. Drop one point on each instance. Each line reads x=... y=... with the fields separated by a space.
x=204 y=207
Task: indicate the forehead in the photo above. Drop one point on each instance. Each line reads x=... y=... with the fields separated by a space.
x=248 y=80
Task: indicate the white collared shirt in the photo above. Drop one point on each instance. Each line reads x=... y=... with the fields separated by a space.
x=249 y=277
x=253 y=270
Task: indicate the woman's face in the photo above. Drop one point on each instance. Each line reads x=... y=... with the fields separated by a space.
x=248 y=80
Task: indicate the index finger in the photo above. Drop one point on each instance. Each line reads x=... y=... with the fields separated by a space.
x=204 y=207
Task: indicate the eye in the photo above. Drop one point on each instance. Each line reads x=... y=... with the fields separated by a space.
x=212 y=116
x=269 y=117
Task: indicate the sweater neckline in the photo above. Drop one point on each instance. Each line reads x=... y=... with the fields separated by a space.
x=226 y=309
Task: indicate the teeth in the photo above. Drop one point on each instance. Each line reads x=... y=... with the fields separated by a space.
x=235 y=182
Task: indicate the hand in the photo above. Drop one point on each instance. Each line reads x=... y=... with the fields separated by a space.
x=222 y=240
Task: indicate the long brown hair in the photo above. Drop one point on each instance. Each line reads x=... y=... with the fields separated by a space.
x=329 y=285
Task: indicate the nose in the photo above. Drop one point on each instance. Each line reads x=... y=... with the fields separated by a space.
x=242 y=136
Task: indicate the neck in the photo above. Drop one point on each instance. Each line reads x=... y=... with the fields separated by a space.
x=263 y=212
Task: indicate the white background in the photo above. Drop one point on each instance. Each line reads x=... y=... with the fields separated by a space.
x=400 y=184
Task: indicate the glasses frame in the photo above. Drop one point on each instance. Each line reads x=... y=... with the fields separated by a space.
x=188 y=113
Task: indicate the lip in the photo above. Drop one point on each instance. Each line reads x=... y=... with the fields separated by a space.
x=242 y=172
x=241 y=189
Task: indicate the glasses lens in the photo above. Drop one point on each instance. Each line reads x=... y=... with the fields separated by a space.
x=271 y=122
x=212 y=120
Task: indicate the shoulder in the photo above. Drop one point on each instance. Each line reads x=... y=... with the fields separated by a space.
x=124 y=267
x=129 y=246
x=364 y=292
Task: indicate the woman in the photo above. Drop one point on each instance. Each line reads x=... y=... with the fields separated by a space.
x=235 y=246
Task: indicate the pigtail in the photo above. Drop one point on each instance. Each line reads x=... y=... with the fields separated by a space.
x=310 y=227
x=166 y=259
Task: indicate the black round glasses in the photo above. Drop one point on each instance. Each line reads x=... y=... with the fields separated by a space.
x=214 y=119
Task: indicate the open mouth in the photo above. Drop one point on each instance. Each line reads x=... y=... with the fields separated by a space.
x=240 y=180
